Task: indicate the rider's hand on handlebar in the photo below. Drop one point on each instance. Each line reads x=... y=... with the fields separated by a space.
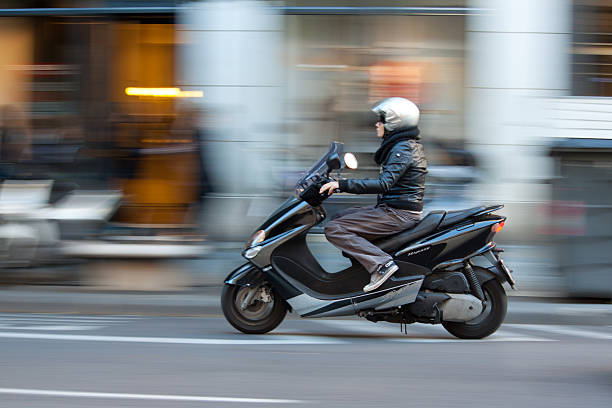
x=330 y=188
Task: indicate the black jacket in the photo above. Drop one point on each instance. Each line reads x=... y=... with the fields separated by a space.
x=402 y=175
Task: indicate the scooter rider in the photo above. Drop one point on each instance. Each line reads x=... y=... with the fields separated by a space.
x=400 y=188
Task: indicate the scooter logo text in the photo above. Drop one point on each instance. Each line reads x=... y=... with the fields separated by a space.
x=418 y=251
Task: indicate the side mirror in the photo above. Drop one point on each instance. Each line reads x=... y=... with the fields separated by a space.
x=333 y=162
x=350 y=161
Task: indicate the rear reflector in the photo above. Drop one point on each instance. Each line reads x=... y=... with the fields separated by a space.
x=497 y=227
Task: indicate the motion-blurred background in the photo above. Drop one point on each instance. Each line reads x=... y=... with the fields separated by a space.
x=143 y=141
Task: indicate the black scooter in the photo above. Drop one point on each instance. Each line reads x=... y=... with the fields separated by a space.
x=437 y=281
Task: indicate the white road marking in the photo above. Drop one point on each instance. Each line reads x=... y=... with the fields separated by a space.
x=16 y=319
x=277 y=340
x=49 y=327
x=57 y=322
x=423 y=330
x=488 y=339
x=503 y=334
x=592 y=310
x=382 y=328
x=114 y=395
x=69 y=317
x=566 y=330
x=52 y=323
x=361 y=326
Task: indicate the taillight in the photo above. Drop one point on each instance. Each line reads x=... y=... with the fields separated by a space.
x=497 y=227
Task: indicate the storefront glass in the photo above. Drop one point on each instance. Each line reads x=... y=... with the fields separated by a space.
x=66 y=116
x=339 y=65
x=592 y=48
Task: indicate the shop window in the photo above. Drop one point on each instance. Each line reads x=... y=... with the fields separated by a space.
x=592 y=48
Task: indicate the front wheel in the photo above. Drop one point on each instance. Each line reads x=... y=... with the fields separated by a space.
x=489 y=320
x=252 y=310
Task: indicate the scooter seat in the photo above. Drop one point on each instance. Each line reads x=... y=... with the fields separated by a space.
x=454 y=217
x=426 y=226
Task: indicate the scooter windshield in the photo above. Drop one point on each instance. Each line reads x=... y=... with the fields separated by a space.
x=320 y=167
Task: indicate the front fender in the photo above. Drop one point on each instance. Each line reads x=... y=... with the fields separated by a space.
x=245 y=275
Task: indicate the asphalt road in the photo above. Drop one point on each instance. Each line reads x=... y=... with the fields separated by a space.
x=149 y=361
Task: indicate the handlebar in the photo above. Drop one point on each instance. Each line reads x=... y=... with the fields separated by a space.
x=311 y=193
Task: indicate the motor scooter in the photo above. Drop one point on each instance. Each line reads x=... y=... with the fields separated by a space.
x=437 y=281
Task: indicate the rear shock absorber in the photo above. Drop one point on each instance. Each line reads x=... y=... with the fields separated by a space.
x=473 y=280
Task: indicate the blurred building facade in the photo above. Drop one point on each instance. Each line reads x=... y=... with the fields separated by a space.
x=496 y=80
x=486 y=74
x=67 y=70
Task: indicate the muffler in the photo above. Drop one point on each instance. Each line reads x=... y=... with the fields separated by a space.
x=460 y=307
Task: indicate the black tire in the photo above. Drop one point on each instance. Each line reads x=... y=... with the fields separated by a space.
x=258 y=318
x=489 y=320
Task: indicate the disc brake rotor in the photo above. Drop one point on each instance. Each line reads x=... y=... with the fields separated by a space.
x=260 y=306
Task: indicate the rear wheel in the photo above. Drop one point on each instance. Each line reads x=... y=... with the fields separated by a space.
x=489 y=320
x=252 y=310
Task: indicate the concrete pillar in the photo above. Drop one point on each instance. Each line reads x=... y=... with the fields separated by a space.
x=518 y=53
x=232 y=50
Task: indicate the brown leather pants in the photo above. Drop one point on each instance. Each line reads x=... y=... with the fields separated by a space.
x=352 y=231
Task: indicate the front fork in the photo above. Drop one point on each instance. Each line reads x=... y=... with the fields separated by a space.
x=260 y=293
x=249 y=298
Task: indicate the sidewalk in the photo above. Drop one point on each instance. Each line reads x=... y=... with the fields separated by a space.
x=205 y=301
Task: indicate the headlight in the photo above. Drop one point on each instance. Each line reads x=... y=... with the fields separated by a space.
x=350 y=161
x=252 y=252
x=257 y=237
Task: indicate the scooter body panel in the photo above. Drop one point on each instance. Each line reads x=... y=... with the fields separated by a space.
x=290 y=267
x=401 y=293
x=282 y=259
x=453 y=243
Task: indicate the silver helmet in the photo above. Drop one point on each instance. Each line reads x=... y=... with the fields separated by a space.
x=396 y=113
